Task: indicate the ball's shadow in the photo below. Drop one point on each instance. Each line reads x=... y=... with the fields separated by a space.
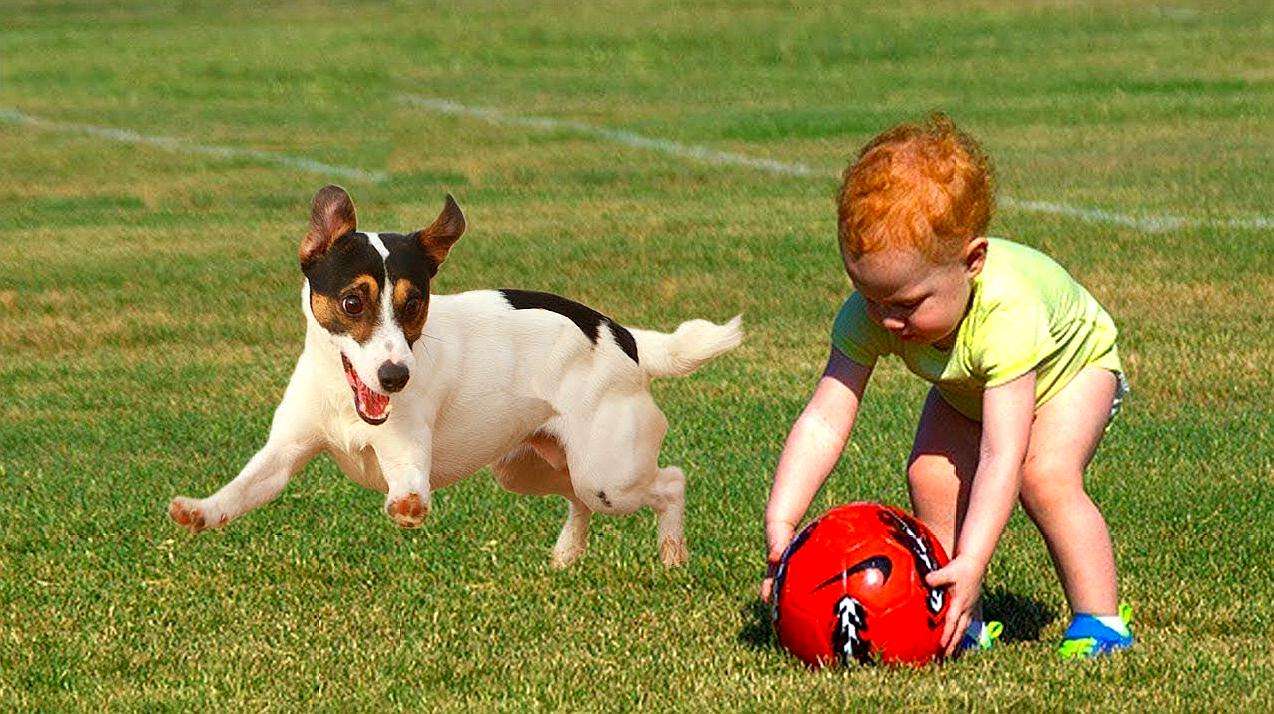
x=1023 y=617
x=757 y=632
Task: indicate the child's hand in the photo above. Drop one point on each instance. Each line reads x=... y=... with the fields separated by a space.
x=777 y=537
x=963 y=578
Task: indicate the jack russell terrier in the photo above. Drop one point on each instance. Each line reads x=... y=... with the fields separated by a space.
x=553 y=395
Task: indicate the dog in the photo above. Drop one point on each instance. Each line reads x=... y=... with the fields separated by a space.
x=410 y=392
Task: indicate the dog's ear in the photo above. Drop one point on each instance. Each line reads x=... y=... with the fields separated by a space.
x=331 y=217
x=443 y=233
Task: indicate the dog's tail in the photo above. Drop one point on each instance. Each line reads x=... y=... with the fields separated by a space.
x=682 y=352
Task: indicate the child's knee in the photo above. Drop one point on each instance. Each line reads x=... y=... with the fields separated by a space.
x=916 y=476
x=1049 y=486
x=931 y=471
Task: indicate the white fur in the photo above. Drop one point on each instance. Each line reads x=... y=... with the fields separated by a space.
x=522 y=391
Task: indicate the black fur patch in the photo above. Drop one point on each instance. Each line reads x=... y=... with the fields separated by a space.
x=408 y=259
x=350 y=256
x=588 y=320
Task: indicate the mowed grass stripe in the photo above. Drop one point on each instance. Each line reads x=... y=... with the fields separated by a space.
x=695 y=152
x=182 y=146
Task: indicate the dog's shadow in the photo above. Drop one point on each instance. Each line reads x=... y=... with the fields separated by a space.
x=1023 y=617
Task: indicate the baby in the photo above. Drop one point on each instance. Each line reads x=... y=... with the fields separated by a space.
x=1025 y=378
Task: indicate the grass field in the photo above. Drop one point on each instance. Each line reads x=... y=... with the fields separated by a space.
x=149 y=321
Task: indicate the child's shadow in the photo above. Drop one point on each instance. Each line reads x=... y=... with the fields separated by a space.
x=1023 y=617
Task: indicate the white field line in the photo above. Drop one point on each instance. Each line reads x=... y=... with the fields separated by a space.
x=627 y=138
x=181 y=146
x=1149 y=223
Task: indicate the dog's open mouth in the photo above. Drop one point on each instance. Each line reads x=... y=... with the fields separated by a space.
x=371 y=406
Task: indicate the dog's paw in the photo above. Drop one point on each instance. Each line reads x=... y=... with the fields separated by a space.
x=408 y=511
x=672 y=551
x=187 y=513
x=564 y=557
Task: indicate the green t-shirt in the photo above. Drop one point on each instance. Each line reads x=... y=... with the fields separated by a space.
x=1026 y=313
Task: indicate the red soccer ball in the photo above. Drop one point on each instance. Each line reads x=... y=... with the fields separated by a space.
x=851 y=588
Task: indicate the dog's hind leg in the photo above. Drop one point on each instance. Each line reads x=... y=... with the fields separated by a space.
x=668 y=501
x=616 y=469
x=538 y=468
x=573 y=539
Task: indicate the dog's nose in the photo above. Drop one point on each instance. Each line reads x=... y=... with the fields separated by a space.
x=393 y=376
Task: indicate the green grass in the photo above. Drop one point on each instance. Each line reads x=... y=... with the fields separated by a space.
x=148 y=323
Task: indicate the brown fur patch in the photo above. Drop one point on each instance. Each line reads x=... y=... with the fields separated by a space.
x=188 y=517
x=443 y=233
x=329 y=313
x=412 y=324
x=408 y=511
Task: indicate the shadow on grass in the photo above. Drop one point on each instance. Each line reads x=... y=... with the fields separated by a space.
x=756 y=631
x=1023 y=617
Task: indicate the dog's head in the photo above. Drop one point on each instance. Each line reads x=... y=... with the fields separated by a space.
x=370 y=293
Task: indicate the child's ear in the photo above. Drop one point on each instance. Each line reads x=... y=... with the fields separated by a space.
x=975 y=256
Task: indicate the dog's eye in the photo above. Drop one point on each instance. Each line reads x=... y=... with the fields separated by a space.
x=411 y=308
x=352 y=305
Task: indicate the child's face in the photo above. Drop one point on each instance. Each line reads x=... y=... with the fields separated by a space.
x=914 y=298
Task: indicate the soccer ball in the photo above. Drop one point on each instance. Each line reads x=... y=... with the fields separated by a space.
x=851 y=589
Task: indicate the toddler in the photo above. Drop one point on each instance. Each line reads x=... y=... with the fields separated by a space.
x=1025 y=375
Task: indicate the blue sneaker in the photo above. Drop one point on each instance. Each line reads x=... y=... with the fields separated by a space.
x=987 y=633
x=1087 y=637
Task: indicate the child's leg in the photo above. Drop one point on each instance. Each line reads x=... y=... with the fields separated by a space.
x=1064 y=437
x=941 y=467
x=939 y=477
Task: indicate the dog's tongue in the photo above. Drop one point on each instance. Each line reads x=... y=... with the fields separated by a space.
x=370 y=403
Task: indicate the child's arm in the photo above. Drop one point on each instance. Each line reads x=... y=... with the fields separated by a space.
x=812 y=449
x=1007 y=413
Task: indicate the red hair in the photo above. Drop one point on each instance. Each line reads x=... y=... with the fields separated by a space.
x=921 y=185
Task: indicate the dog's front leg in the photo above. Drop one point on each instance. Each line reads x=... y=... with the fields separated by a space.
x=293 y=441
x=405 y=456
